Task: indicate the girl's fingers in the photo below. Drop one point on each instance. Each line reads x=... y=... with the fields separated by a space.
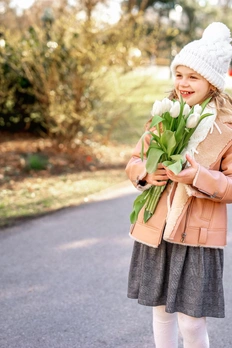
x=159 y=183
x=190 y=160
x=160 y=165
x=160 y=177
x=187 y=175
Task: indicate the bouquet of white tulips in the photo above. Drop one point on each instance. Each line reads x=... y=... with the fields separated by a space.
x=174 y=122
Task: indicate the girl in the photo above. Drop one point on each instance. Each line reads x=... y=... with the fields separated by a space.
x=177 y=261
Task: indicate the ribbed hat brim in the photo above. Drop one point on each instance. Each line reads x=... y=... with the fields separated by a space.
x=193 y=61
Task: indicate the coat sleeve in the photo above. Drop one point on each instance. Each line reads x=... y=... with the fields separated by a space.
x=214 y=184
x=136 y=168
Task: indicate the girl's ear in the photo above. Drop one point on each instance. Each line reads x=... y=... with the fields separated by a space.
x=213 y=88
x=213 y=92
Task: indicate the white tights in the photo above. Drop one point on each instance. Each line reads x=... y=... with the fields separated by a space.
x=165 y=328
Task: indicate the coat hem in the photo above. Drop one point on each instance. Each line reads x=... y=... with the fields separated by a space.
x=195 y=245
x=172 y=242
x=140 y=241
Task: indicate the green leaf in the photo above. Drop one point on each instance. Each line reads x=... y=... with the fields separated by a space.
x=133 y=217
x=167 y=121
x=155 y=120
x=177 y=158
x=180 y=130
x=204 y=116
x=154 y=145
x=142 y=140
x=204 y=104
x=167 y=163
x=156 y=138
x=168 y=141
x=176 y=167
x=153 y=158
x=147 y=215
x=137 y=206
x=192 y=130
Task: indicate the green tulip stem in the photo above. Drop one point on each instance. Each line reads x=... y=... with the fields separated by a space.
x=153 y=199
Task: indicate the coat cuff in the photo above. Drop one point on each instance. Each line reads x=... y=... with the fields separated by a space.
x=141 y=183
x=206 y=181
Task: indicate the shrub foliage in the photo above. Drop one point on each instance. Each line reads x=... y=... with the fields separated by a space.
x=51 y=73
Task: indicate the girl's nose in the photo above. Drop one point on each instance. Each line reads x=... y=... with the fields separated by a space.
x=184 y=82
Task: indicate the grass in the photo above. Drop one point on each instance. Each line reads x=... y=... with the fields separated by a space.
x=35 y=196
x=129 y=101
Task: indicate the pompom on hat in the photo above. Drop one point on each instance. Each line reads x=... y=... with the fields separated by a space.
x=210 y=56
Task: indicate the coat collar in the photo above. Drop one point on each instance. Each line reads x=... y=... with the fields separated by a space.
x=210 y=149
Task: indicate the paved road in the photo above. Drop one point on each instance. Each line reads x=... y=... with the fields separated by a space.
x=63 y=281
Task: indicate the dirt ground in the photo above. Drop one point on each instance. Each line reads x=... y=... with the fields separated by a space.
x=39 y=176
x=16 y=162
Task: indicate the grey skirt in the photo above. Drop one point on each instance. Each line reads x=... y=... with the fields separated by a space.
x=184 y=279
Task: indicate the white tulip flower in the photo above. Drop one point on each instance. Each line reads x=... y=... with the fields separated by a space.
x=157 y=108
x=193 y=120
x=166 y=104
x=197 y=109
x=175 y=109
x=186 y=110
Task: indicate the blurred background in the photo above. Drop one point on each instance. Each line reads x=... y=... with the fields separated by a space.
x=78 y=80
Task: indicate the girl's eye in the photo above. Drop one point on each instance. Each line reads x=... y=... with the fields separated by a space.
x=193 y=77
x=178 y=75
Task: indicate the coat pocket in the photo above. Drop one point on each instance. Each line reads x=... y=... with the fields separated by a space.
x=207 y=209
x=145 y=234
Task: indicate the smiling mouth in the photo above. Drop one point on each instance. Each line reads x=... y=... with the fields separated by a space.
x=185 y=93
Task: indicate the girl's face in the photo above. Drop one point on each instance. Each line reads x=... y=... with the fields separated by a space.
x=190 y=85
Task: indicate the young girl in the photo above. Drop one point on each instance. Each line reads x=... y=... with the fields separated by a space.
x=177 y=260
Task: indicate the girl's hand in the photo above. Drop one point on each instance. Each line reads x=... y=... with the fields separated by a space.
x=186 y=176
x=159 y=178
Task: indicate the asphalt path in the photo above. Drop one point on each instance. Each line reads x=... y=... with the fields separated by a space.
x=63 y=281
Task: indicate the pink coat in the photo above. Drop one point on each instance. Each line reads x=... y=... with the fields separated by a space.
x=194 y=215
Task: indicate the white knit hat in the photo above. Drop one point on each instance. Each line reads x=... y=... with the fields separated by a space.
x=210 y=56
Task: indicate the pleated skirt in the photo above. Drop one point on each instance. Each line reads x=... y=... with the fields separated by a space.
x=183 y=278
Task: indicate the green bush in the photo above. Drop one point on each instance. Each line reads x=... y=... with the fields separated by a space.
x=54 y=76
x=46 y=84
x=36 y=161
